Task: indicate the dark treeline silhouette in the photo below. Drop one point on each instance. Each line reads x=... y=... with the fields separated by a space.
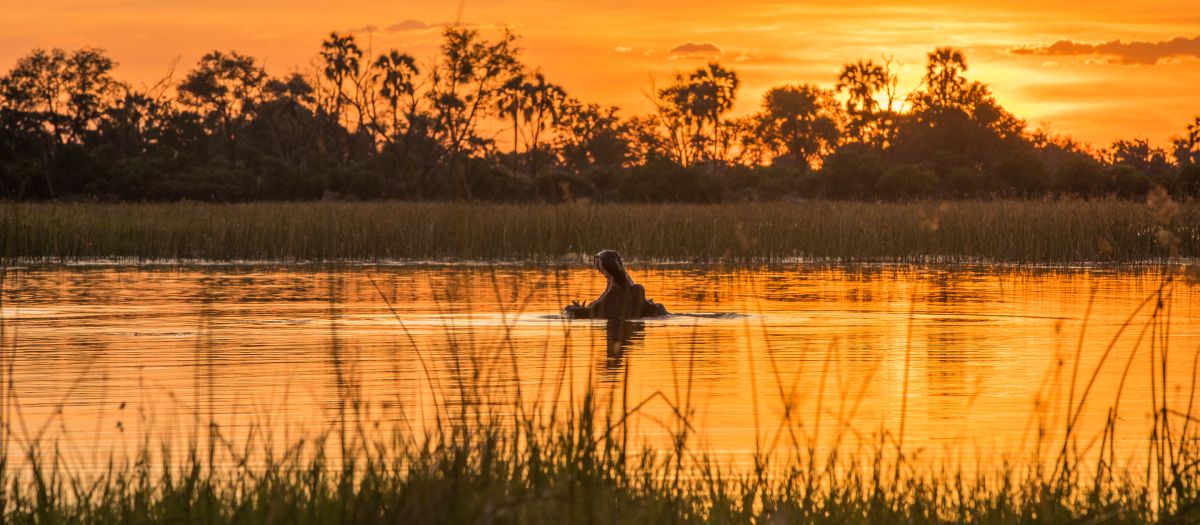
x=475 y=123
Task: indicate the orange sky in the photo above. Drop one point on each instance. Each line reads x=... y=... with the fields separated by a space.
x=610 y=51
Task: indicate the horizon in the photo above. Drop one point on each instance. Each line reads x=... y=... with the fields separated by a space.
x=1043 y=63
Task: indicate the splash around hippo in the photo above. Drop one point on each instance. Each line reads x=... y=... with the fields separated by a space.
x=622 y=298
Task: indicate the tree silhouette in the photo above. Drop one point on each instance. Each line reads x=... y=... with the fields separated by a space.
x=691 y=110
x=684 y=127
x=1139 y=155
x=1187 y=148
x=862 y=81
x=53 y=99
x=341 y=58
x=591 y=135
x=945 y=86
x=543 y=108
x=287 y=118
x=386 y=128
x=91 y=88
x=36 y=90
x=395 y=73
x=471 y=74
x=223 y=90
x=713 y=89
x=800 y=124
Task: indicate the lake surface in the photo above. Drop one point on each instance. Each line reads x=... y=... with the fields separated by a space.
x=959 y=362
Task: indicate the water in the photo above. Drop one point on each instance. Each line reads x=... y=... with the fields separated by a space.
x=960 y=363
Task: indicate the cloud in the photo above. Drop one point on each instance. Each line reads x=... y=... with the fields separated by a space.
x=696 y=50
x=1129 y=53
x=408 y=25
x=416 y=26
x=622 y=49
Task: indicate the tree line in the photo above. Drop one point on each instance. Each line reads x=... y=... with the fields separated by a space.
x=477 y=123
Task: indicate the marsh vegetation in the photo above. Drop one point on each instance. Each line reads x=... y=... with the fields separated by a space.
x=1041 y=231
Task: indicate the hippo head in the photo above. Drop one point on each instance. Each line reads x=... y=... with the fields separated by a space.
x=609 y=263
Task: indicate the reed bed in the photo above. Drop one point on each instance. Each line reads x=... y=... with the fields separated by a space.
x=1057 y=231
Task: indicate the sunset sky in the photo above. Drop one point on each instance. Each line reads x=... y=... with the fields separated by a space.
x=1094 y=69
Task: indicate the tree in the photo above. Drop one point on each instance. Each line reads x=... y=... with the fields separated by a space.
x=91 y=89
x=684 y=138
x=395 y=73
x=958 y=131
x=591 y=135
x=1139 y=155
x=52 y=99
x=469 y=77
x=800 y=124
x=511 y=104
x=36 y=90
x=646 y=144
x=542 y=109
x=34 y=94
x=713 y=90
x=1187 y=148
x=691 y=110
x=945 y=85
x=287 y=114
x=371 y=126
x=341 y=58
x=947 y=93
x=224 y=89
x=862 y=81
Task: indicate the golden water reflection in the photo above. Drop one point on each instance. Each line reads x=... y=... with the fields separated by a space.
x=773 y=358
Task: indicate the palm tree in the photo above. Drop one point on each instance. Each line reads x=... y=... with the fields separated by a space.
x=861 y=81
x=511 y=103
x=713 y=89
x=535 y=101
x=944 y=79
x=395 y=73
x=341 y=55
x=543 y=107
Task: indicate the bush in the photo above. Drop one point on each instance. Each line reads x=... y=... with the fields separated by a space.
x=852 y=171
x=1021 y=174
x=1079 y=177
x=562 y=186
x=662 y=181
x=1125 y=181
x=906 y=182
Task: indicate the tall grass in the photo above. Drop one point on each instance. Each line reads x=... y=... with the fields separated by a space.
x=1011 y=231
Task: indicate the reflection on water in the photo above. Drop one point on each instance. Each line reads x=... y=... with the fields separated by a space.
x=764 y=357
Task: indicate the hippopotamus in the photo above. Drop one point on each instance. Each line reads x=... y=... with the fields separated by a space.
x=622 y=298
